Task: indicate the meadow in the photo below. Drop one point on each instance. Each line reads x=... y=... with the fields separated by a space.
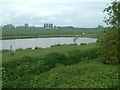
x=65 y=66
x=15 y=33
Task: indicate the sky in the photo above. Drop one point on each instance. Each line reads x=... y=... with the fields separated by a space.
x=77 y=13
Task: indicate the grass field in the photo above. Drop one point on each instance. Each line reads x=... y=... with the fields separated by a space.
x=8 y=55
x=68 y=66
x=41 y=32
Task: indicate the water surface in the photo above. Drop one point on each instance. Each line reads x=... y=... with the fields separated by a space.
x=41 y=42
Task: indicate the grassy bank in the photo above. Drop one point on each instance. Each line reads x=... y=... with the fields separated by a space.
x=48 y=36
x=8 y=55
x=68 y=66
x=18 y=33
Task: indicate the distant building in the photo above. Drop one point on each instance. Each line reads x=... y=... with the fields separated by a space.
x=9 y=26
x=26 y=25
x=48 y=25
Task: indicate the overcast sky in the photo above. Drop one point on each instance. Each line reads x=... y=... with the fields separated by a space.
x=78 y=13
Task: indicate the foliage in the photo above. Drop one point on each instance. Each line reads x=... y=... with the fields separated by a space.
x=37 y=47
x=37 y=53
x=82 y=75
x=109 y=41
x=75 y=39
x=113 y=12
x=53 y=59
x=56 y=45
x=83 y=44
x=76 y=56
x=28 y=48
x=82 y=71
x=19 y=49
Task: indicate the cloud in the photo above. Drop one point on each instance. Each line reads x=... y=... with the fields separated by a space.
x=82 y=14
x=55 y=1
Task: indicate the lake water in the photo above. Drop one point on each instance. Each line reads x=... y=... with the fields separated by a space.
x=41 y=42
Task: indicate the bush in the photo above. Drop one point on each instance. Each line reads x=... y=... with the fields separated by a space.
x=108 y=51
x=36 y=47
x=28 y=49
x=5 y=50
x=109 y=42
x=71 y=57
x=19 y=49
x=76 y=56
x=24 y=66
x=12 y=53
x=73 y=44
x=83 y=44
x=56 y=45
x=53 y=59
x=37 y=68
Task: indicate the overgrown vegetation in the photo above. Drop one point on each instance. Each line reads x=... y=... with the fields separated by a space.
x=77 y=68
x=66 y=66
x=109 y=42
x=108 y=52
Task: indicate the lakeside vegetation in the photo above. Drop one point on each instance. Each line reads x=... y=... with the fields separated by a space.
x=34 y=32
x=68 y=66
x=94 y=65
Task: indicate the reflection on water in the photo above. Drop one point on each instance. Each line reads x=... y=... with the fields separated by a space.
x=41 y=42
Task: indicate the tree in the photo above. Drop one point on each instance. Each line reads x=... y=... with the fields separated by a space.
x=109 y=42
x=113 y=21
x=100 y=26
x=9 y=26
x=75 y=39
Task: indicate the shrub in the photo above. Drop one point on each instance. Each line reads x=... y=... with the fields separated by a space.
x=108 y=51
x=52 y=59
x=109 y=41
x=28 y=49
x=23 y=66
x=19 y=49
x=5 y=50
x=73 y=44
x=37 y=68
x=83 y=44
x=76 y=56
x=56 y=45
x=36 y=47
x=12 y=53
x=71 y=57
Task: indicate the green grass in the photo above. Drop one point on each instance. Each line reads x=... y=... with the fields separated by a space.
x=82 y=75
x=41 y=32
x=68 y=66
x=7 y=56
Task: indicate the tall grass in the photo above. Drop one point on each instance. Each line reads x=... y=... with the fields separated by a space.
x=34 y=66
x=69 y=69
